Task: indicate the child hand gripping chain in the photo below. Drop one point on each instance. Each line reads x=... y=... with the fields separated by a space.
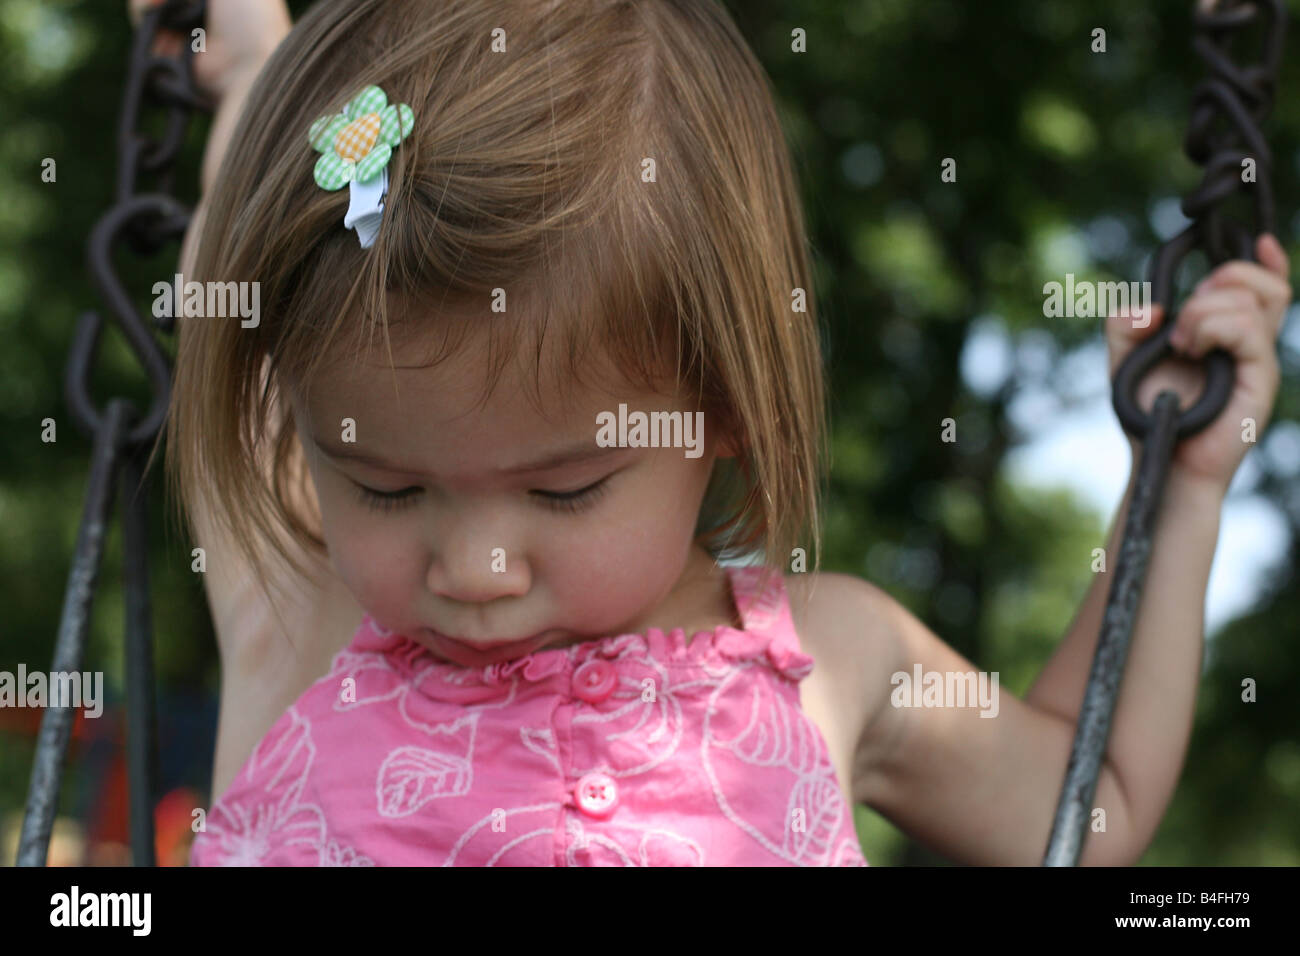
x=239 y=36
x=459 y=625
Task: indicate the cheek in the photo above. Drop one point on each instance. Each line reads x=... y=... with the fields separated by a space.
x=378 y=557
x=622 y=564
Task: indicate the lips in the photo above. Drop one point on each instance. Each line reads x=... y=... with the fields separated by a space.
x=478 y=655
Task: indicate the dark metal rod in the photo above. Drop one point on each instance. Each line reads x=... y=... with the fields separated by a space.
x=1069 y=827
x=56 y=724
x=141 y=741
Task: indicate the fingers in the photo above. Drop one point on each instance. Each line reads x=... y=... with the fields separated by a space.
x=1227 y=319
x=1135 y=324
x=1234 y=301
x=136 y=9
x=168 y=42
x=1126 y=328
x=1266 y=280
x=1247 y=346
x=1272 y=256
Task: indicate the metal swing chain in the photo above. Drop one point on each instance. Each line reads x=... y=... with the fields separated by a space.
x=143 y=222
x=1242 y=97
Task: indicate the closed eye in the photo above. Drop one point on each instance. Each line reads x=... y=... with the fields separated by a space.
x=572 y=501
x=386 y=500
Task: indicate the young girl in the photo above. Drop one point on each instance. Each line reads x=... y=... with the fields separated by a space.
x=463 y=619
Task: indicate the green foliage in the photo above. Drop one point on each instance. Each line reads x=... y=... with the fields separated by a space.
x=1049 y=138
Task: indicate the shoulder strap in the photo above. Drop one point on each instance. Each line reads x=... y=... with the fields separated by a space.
x=766 y=619
x=762 y=610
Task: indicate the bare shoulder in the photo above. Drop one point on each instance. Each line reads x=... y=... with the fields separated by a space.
x=840 y=614
x=853 y=631
x=843 y=619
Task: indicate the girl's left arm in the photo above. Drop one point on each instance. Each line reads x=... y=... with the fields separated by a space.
x=1240 y=308
x=984 y=790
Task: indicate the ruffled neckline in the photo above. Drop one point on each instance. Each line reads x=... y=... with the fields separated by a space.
x=766 y=633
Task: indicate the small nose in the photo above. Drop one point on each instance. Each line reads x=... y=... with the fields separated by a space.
x=475 y=568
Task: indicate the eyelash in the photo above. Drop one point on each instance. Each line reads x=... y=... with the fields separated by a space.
x=570 y=501
x=385 y=501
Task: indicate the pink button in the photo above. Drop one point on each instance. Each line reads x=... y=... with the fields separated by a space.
x=597 y=795
x=595 y=680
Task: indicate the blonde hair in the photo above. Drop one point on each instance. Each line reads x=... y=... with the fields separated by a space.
x=524 y=170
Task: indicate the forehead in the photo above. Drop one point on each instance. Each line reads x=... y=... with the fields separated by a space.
x=422 y=389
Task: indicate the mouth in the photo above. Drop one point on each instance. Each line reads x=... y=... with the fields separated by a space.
x=478 y=654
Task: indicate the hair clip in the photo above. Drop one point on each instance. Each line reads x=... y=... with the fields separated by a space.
x=356 y=146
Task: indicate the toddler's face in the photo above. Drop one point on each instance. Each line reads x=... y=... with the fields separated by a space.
x=478 y=541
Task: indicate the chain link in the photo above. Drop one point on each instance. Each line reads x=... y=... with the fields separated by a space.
x=143 y=222
x=1242 y=98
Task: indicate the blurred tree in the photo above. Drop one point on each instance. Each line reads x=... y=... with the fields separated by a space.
x=1063 y=159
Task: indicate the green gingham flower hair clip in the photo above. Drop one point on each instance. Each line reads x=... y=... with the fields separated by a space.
x=357 y=143
x=355 y=146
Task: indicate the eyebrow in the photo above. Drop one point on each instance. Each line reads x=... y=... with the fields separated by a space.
x=573 y=454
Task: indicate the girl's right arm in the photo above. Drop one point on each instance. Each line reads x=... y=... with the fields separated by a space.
x=269 y=658
x=240 y=35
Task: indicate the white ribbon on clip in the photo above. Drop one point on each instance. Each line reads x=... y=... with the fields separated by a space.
x=366 y=209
